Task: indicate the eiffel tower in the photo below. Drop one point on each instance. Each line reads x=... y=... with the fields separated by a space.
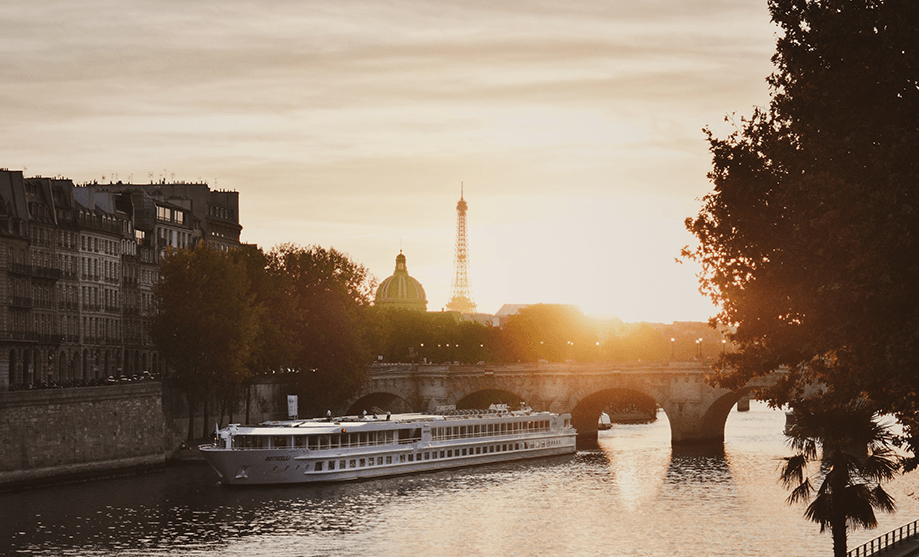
x=460 y=293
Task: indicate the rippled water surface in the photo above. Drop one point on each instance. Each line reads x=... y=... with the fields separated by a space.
x=633 y=496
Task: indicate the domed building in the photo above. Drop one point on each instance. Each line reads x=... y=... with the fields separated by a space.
x=401 y=291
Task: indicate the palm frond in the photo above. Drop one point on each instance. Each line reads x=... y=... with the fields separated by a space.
x=792 y=472
x=801 y=493
x=883 y=501
x=881 y=466
x=859 y=511
x=820 y=511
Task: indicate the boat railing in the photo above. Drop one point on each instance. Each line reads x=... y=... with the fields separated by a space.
x=890 y=539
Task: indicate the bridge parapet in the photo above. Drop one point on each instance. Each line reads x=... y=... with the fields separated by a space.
x=701 y=368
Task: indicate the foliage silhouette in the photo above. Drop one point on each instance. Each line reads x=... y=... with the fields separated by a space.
x=807 y=242
x=856 y=457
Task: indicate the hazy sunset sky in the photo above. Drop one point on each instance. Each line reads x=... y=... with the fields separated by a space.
x=575 y=127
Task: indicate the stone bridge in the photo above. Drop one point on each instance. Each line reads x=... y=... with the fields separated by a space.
x=697 y=411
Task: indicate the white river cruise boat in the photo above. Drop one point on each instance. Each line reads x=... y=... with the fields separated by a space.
x=373 y=446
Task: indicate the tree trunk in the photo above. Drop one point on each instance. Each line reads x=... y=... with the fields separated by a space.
x=840 y=543
x=248 y=396
x=204 y=424
x=222 y=412
x=191 y=418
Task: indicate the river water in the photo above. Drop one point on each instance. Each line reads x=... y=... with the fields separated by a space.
x=634 y=496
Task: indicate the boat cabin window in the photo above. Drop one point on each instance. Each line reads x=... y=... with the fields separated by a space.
x=280 y=441
x=409 y=435
x=249 y=441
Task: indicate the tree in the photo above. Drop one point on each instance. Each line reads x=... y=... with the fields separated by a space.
x=856 y=458
x=325 y=326
x=272 y=347
x=639 y=342
x=552 y=332
x=808 y=241
x=412 y=336
x=204 y=324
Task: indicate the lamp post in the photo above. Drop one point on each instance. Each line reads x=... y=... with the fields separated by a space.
x=672 y=343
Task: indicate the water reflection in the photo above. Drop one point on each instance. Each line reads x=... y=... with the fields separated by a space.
x=701 y=465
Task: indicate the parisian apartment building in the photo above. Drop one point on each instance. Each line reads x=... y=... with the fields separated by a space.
x=77 y=269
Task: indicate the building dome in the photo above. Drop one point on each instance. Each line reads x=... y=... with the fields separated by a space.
x=401 y=291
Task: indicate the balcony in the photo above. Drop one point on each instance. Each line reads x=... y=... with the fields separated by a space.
x=47 y=272
x=21 y=269
x=23 y=335
x=20 y=302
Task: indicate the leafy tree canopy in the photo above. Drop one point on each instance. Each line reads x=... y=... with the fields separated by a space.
x=205 y=317
x=435 y=337
x=809 y=241
x=324 y=326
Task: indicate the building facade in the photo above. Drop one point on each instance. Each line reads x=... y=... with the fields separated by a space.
x=77 y=270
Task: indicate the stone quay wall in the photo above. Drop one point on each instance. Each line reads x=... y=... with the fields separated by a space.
x=267 y=401
x=80 y=432
x=50 y=435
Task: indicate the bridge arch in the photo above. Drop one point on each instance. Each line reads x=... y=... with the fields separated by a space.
x=715 y=418
x=486 y=397
x=585 y=414
x=388 y=402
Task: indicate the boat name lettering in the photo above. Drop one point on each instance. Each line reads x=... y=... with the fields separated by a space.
x=285 y=457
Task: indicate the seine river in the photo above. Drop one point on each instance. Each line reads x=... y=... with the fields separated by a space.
x=633 y=496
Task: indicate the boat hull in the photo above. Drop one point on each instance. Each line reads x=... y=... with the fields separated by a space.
x=287 y=467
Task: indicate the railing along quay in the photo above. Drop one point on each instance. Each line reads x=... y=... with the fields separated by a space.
x=890 y=539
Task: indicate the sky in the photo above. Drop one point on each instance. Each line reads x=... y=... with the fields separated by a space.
x=574 y=128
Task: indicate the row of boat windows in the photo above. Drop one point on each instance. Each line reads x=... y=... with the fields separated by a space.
x=488 y=430
x=432 y=455
x=328 y=441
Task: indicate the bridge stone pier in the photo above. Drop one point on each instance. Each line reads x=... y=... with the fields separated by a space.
x=697 y=411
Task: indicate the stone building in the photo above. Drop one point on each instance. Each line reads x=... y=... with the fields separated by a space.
x=187 y=214
x=77 y=269
x=401 y=291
